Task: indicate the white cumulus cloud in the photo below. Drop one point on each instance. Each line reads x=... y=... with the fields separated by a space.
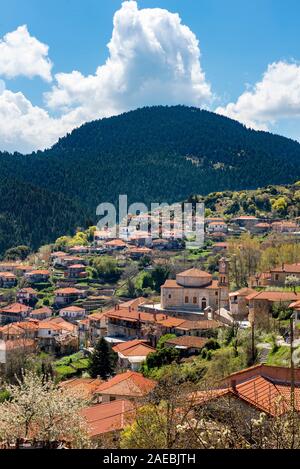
x=275 y=97
x=153 y=59
x=23 y=54
x=24 y=127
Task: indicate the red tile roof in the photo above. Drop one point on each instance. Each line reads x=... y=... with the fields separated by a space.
x=67 y=291
x=274 y=296
x=134 y=348
x=266 y=388
x=16 y=308
x=194 y=273
x=105 y=418
x=288 y=268
x=128 y=384
x=39 y=272
x=188 y=341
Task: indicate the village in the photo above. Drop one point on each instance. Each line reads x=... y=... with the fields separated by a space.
x=156 y=303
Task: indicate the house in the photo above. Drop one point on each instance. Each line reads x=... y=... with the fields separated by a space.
x=246 y=221
x=85 y=387
x=76 y=271
x=217 y=227
x=37 y=276
x=136 y=253
x=111 y=417
x=65 y=296
x=9 y=348
x=262 y=279
x=238 y=303
x=56 y=258
x=66 y=261
x=261 y=303
x=79 y=250
x=187 y=345
x=115 y=245
x=128 y=385
x=128 y=322
x=194 y=290
x=73 y=313
x=41 y=313
x=101 y=235
x=261 y=228
x=133 y=353
x=260 y=388
x=57 y=335
x=7 y=280
x=219 y=247
x=14 y=312
x=279 y=274
x=285 y=227
x=11 y=332
x=27 y=296
x=96 y=327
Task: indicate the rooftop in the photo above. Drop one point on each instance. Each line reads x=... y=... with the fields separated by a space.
x=128 y=384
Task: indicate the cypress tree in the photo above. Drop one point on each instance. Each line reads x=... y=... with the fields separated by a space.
x=103 y=360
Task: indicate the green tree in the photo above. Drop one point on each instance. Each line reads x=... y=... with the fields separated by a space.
x=160 y=275
x=103 y=360
x=17 y=253
x=163 y=356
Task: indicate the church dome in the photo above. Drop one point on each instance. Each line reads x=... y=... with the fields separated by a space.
x=194 y=278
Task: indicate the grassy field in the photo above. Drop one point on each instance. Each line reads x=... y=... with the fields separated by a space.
x=70 y=366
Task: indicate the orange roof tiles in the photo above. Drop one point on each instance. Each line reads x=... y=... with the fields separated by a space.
x=7 y=275
x=274 y=296
x=115 y=243
x=243 y=292
x=85 y=386
x=194 y=273
x=266 y=388
x=73 y=308
x=188 y=341
x=288 y=268
x=15 y=308
x=105 y=418
x=67 y=291
x=128 y=384
x=134 y=348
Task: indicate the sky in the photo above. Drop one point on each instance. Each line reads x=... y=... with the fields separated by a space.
x=66 y=62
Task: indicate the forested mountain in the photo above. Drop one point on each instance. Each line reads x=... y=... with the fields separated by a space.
x=152 y=154
x=34 y=216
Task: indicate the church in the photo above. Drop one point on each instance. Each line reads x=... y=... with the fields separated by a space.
x=194 y=290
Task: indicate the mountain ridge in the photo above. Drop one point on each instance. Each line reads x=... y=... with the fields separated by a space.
x=153 y=154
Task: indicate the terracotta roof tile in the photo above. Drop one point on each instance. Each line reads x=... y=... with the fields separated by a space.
x=128 y=384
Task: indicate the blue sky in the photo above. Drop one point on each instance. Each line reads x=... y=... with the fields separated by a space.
x=238 y=41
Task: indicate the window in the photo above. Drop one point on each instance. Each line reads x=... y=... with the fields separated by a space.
x=216 y=293
x=169 y=296
x=186 y=299
x=194 y=300
x=203 y=303
x=112 y=398
x=276 y=276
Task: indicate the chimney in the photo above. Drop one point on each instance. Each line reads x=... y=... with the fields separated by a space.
x=233 y=385
x=129 y=309
x=282 y=266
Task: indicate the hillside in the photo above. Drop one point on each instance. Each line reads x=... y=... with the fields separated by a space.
x=152 y=154
x=34 y=216
x=273 y=201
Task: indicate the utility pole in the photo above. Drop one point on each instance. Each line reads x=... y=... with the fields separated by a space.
x=292 y=363
x=252 y=342
x=292 y=379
